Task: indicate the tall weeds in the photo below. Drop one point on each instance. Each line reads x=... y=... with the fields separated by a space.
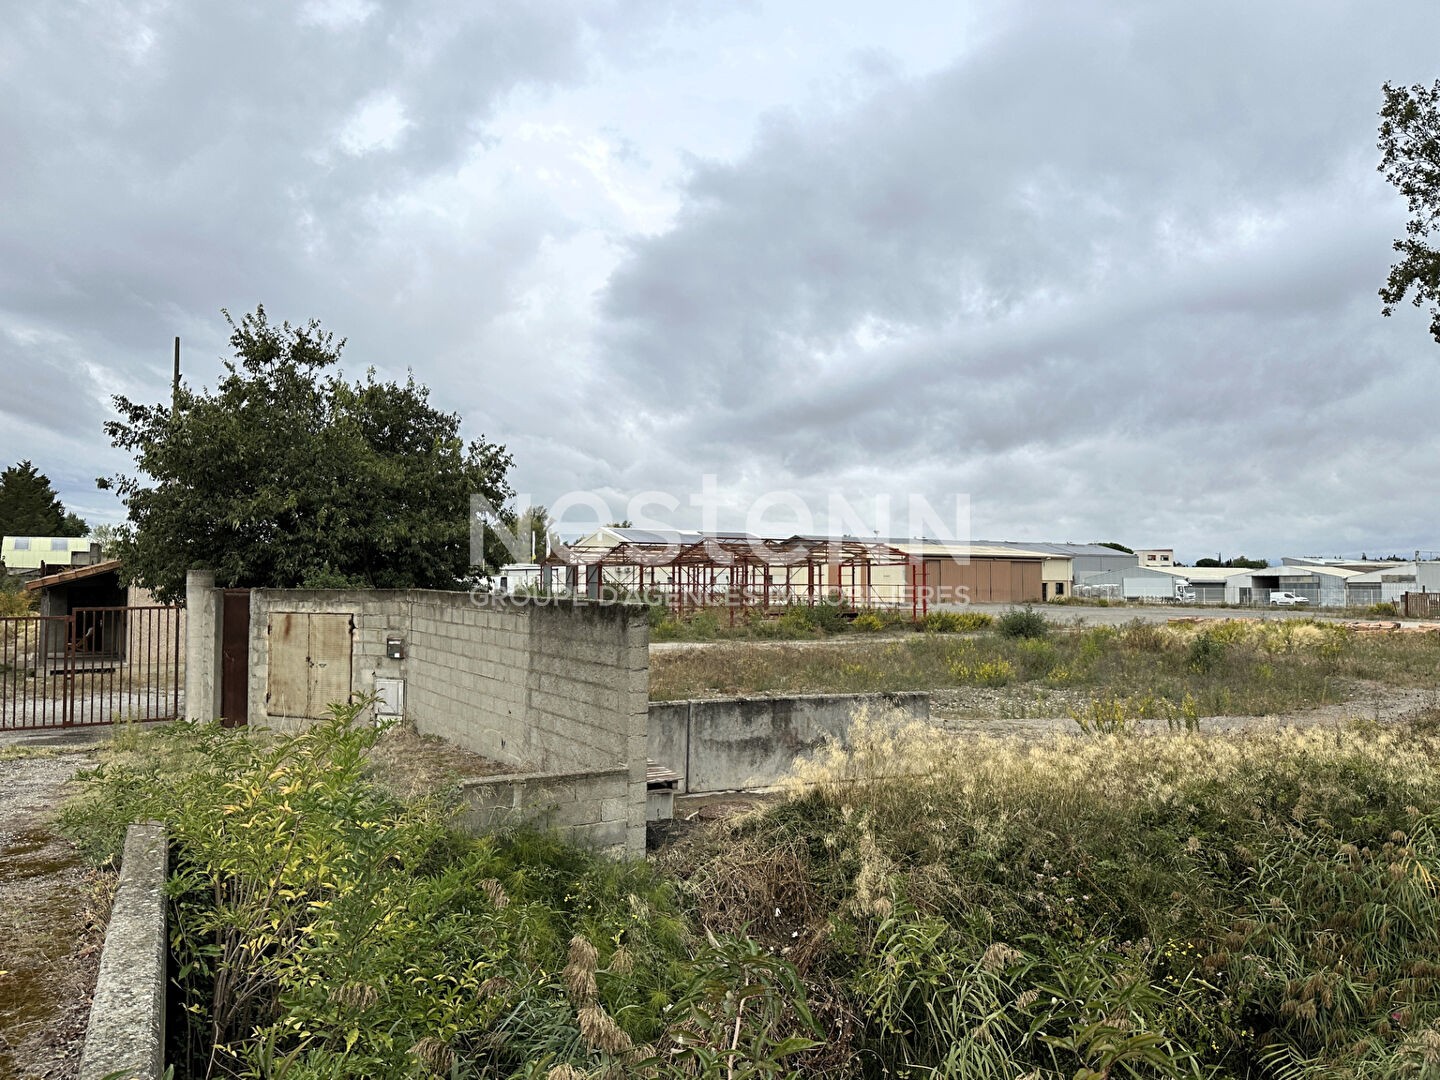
x=1224 y=668
x=323 y=928
x=1260 y=905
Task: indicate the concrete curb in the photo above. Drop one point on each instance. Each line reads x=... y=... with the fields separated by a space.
x=126 y=1034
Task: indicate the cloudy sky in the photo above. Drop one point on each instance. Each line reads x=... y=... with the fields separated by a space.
x=1095 y=270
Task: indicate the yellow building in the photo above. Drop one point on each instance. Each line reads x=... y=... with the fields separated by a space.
x=28 y=552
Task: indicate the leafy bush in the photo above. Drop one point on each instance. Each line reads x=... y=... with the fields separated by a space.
x=984 y=673
x=869 y=622
x=824 y=618
x=14 y=600
x=1206 y=651
x=1385 y=609
x=955 y=622
x=1023 y=622
x=321 y=928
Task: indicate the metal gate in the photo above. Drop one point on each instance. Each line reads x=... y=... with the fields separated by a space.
x=93 y=666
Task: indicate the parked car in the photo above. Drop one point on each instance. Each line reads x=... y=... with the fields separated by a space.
x=1287 y=599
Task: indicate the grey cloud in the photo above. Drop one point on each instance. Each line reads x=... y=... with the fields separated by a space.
x=1136 y=241
x=165 y=160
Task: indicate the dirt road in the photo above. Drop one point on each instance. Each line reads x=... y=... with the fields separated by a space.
x=51 y=914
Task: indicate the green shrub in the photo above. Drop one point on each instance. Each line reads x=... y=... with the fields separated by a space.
x=1036 y=655
x=14 y=600
x=322 y=928
x=813 y=620
x=869 y=622
x=1385 y=609
x=985 y=673
x=955 y=622
x=1023 y=622
x=1206 y=651
x=702 y=625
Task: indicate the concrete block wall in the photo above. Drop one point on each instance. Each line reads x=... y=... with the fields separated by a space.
x=735 y=744
x=375 y=615
x=549 y=689
x=592 y=808
x=466 y=671
x=543 y=686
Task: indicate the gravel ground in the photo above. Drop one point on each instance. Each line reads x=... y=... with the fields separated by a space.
x=52 y=914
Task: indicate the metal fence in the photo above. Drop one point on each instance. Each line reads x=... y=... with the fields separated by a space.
x=93 y=666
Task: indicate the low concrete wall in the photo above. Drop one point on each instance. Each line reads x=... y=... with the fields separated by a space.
x=592 y=809
x=126 y=1035
x=730 y=744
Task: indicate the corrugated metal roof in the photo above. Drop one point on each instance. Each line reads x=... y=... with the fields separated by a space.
x=1050 y=547
x=78 y=573
x=1202 y=573
x=1390 y=572
x=973 y=550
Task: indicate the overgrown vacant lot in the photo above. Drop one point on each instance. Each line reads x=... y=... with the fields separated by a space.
x=1248 y=906
x=324 y=926
x=1178 y=671
x=1239 y=906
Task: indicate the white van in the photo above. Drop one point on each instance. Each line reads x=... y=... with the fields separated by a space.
x=1287 y=599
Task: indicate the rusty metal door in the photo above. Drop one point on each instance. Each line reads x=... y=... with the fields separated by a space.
x=309 y=663
x=235 y=658
x=93 y=666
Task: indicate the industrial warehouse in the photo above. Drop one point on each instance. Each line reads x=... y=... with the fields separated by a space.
x=740 y=571
x=743 y=572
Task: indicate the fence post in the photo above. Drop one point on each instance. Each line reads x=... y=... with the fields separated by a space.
x=202 y=646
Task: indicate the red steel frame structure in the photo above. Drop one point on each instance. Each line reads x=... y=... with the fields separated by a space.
x=750 y=574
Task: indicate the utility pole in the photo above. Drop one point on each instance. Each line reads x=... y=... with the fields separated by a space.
x=175 y=385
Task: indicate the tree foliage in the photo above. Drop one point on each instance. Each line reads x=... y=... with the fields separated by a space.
x=531 y=531
x=1410 y=160
x=289 y=476
x=1238 y=562
x=30 y=507
x=1115 y=546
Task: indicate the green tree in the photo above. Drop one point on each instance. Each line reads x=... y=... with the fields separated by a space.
x=531 y=531
x=108 y=537
x=1115 y=546
x=286 y=476
x=30 y=507
x=1410 y=160
x=1239 y=562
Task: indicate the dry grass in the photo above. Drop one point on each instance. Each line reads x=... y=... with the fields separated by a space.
x=412 y=766
x=952 y=886
x=1221 y=667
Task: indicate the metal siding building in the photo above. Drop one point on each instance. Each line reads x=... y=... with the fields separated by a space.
x=1132 y=583
x=1085 y=559
x=28 y=552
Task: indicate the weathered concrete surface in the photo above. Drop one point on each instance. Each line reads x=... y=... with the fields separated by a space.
x=734 y=744
x=591 y=809
x=557 y=688
x=202 y=646
x=126 y=1035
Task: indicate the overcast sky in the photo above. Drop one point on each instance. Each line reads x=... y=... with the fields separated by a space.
x=1104 y=270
